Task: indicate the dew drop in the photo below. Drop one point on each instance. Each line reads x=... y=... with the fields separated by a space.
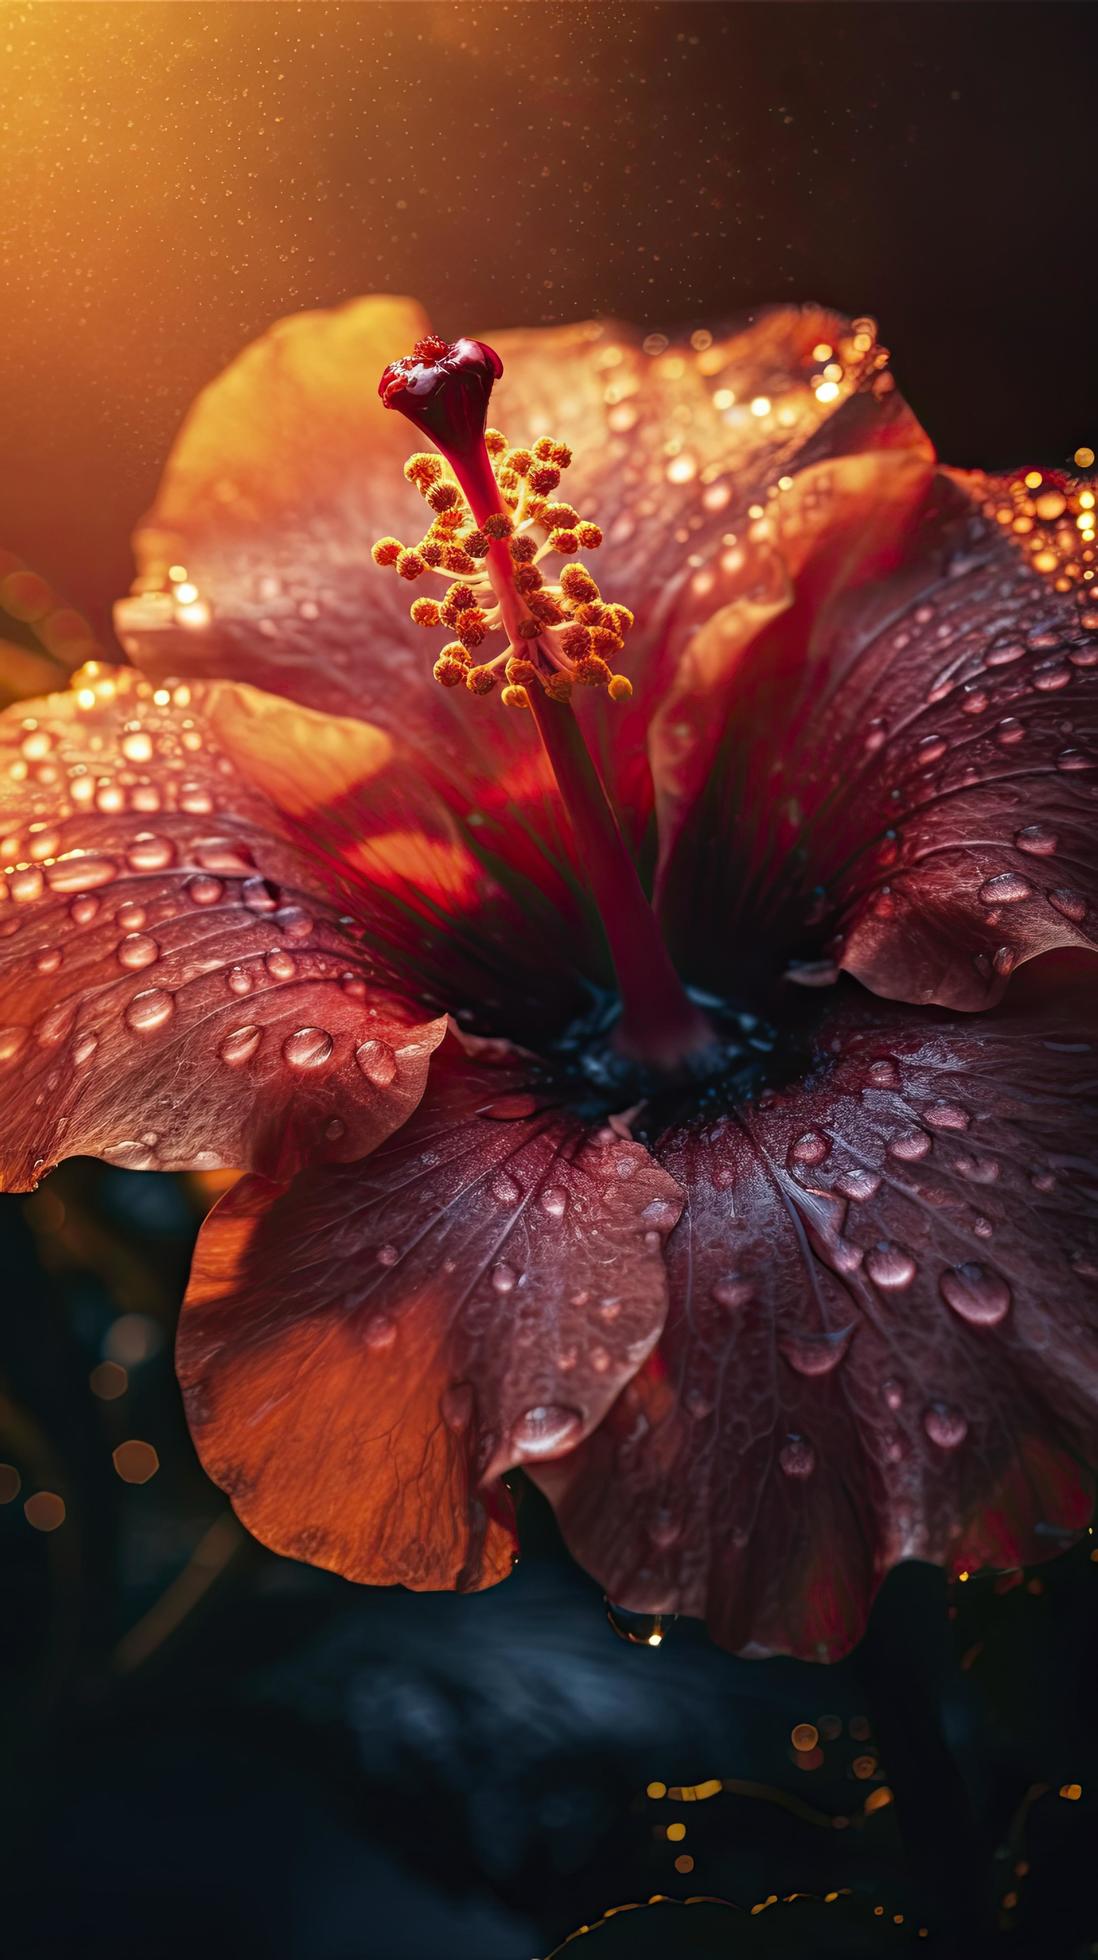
x=506 y=1190
x=149 y=1011
x=946 y=1116
x=294 y=922
x=554 y=1201
x=930 y=749
x=150 y=853
x=130 y=917
x=815 y=1354
x=545 y=1429
x=893 y=1394
x=910 y=1147
x=335 y=1128
x=203 y=889
x=280 y=966
x=639 y=1629
x=797 y=1457
x=380 y=1331
x=84 y=1048
x=137 y=950
x=49 y=959
x=81 y=874
x=83 y=910
x=1071 y=904
x=504 y=1277
x=12 y=1042
x=387 y=1255
x=978 y=1294
x=307 y=1047
x=884 y=1073
x=1010 y=731
x=945 y=1426
x=858 y=1184
x=1036 y=838
x=1006 y=888
x=26 y=886
x=377 y=1062
x=811 y=1148
x=509 y=1109
x=890 y=1266
x=240 y=1044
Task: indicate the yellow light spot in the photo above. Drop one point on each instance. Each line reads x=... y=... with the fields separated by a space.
x=135 y=1461
x=1046 y=561
x=177 y=573
x=785 y=483
x=827 y=391
x=684 y=1862
x=197 y=614
x=1051 y=505
x=864 y=1766
x=186 y=594
x=962 y=1576
x=656 y=1790
x=833 y=371
x=676 y=1832
x=45 y=1510
x=878 y=1799
x=805 y=1736
x=1086 y=500
x=724 y=398
x=761 y=405
x=1084 y=457
x=1033 y=479
x=821 y=351
x=1071 y=1792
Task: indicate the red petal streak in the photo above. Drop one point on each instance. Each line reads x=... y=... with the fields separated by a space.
x=364 y=1352
x=881 y=1339
x=180 y=981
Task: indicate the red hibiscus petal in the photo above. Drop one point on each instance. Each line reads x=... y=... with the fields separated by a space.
x=363 y=1352
x=180 y=981
x=903 y=757
x=288 y=467
x=881 y=1337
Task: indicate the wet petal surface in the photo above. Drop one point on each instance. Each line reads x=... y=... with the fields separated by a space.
x=881 y=1337
x=903 y=763
x=364 y=1352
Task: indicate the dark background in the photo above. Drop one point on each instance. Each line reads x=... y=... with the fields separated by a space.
x=208 y=1748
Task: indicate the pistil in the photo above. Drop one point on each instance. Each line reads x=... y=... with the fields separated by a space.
x=557 y=637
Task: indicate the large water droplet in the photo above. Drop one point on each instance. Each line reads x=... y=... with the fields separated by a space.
x=545 y=1429
x=280 y=966
x=81 y=874
x=150 y=853
x=240 y=1044
x=945 y=1426
x=203 y=889
x=1039 y=839
x=910 y=1147
x=26 y=886
x=976 y=1293
x=797 y=1457
x=377 y=1062
x=137 y=950
x=307 y=1047
x=380 y=1331
x=131 y=917
x=947 y=1116
x=149 y=1011
x=1072 y=905
x=1006 y=888
x=811 y=1149
x=554 y=1201
x=815 y=1354
x=239 y=980
x=509 y=1109
x=884 y=1073
x=639 y=1629
x=858 y=1184
x=890 y=1266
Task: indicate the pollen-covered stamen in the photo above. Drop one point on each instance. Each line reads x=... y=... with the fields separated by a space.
x=495 y=518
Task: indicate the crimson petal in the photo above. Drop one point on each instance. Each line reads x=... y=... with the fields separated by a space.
x=881 y=1339
x=180 y=983
x=903 y=760
x=363 y=1352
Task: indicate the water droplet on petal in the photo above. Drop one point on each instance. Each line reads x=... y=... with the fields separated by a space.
x=149 y=853
x=504 y=1277
x=554 y=1201
x=377 y=1062
x=387 y=1255
x=280 y=966
x=946 y=1116
x=545 y=1429
x=945 y=1426
x=639 y=1629
x=890 y=1266
x=930 y=749
x=240 y=1044
x=815 y=1354
x=83 y=910
x=149 y=1011
x=506 y=1190
x=797 y=1457
x=858 y=1184
x=1037 y=838
x=137 y=950
x=1006 y=888
x=307 y=1047
x=380 y=1332
x=811 y=1148
x=1072 y=905
x=84 y=1048
x=204 y=890
x=12 y=1042
x=978 y=1294
x=80 y=874
x=1010 y=731
x=239 y=980
x=884 y=1073
x=509 y=1109
x=910 y=1147
x=49 y=959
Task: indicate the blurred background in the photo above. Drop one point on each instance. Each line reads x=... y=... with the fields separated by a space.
x=204 y=1744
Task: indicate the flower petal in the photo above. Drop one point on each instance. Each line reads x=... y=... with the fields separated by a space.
x=180 y=981
x=901 y=753
x=287 y=469
x=363 y=1352
x=881 y=1338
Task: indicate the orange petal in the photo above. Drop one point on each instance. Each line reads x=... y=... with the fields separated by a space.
x=363 y=1352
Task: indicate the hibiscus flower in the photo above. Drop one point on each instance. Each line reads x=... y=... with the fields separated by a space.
x=624 y=1040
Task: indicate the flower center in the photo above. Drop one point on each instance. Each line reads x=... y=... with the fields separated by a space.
x=497 y=519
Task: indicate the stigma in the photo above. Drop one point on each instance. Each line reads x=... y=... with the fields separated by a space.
x=498 y=527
